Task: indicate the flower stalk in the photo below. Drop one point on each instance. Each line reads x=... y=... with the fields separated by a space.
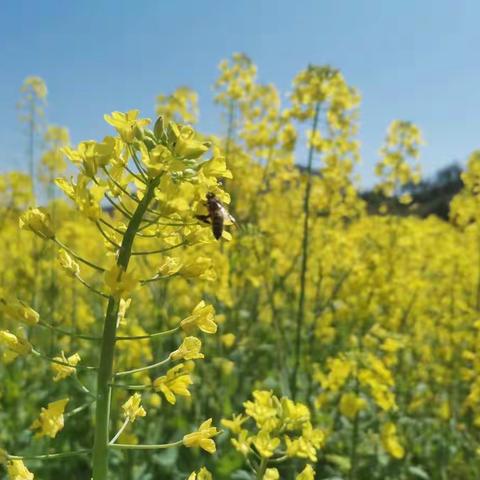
x=105 y=371
x=304 y=261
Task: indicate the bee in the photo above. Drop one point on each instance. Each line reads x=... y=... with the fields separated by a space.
x=217 y=215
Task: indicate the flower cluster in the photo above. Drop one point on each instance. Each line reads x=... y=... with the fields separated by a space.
x=274 y=430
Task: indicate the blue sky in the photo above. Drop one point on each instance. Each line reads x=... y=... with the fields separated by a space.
x=416 y=60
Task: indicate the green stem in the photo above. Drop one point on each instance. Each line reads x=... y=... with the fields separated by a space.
x=120 y=431
x=261 y=469
x=143 y=369
x=49 y=456
x=160 y=250
x=105 y=236
x=105 y=371
x=123 y=211
x=352 y=474
x=90 y=287
x=58 y=362
x=130 y=387
x=82 y=387
x=152 y=335
x=83 y=407
x=147 y=447
x=76 y=256
x=303 y=271
x=67 y=333
x=353 y=450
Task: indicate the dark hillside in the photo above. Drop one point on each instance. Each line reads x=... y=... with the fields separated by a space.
x=430 y=197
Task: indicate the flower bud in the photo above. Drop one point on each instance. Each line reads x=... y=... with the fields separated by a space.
x=18 y=345
x=37 y=222
x=159 y=128
x=18 y=311
x=68 y=263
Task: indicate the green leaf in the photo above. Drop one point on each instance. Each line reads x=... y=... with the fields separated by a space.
x=343 y=463
x=419 y=472
x=242 y=475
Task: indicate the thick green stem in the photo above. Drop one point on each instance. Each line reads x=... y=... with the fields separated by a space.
x=105 y=370
x=261 y=469
x=352 y=474
x=303 y=271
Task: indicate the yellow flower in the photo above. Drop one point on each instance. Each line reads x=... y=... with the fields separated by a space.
x=156 y=160
x=123 y=306
x=132 y=408
x=188 y=350
x=91 y=155
x=235 y=425
x=379 y=387
x=390 y=441
x=127 y=124
x=18 y=345
x=307 y=445
x=314 y=436
x=36 y=85
x=444 y=410
x=294 y=415
x=18 y=311
x=264 y=410
x=68 y=263
x=185 y=145
x=202 y=317
x=226 y=366
x=62 y=371
x=18 y=471
x=37 y=222
x=155 y=400
x=202 y=437
x=340 y=369
x=199 y=267
x=216 y=167
x=51 y=420
x=265 y=444
x=271 y=474
x=308 y=473
x=175 y=382
x=296 y=447
x=228 y=340
x=203 y=474
x=120 y=284
x=351 y=404
x=242 y=443
x=170 y=266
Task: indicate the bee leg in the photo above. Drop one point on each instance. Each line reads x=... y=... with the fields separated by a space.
x=204 y=218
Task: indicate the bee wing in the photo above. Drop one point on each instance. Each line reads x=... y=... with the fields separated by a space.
x=233 y=220
x=227 y=216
